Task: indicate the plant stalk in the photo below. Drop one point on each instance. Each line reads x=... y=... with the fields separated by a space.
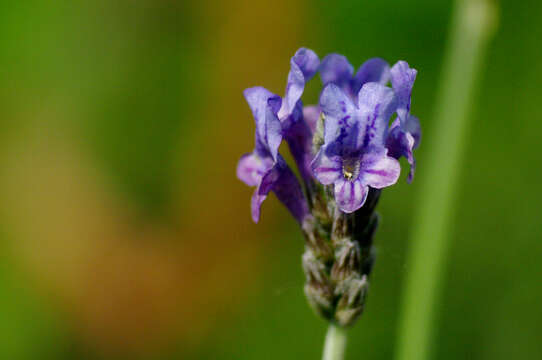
x=335 y=343
x=472 y=26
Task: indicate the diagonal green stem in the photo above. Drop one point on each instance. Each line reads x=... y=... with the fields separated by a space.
x=335 y=343
x=471 y=29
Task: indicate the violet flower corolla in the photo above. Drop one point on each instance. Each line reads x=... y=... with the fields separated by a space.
x=354 y=155
x=264 y=167
x=346 y=152
x=404 y=135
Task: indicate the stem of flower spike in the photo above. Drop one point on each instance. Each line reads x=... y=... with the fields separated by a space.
x=335 y=343
x=472 y=26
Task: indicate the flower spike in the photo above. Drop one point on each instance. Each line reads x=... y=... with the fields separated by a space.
x=347 y=153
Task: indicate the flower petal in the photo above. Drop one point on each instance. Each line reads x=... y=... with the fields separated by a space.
x=400 y=143
x=379 y=170
x=251 y=168
x=282 y=181
x=307 y=61
x=376 y=103
x=339 y=111
x=412 y=125
x=412 y=170
x=326 y=169
x=303 y=66
x=258 y=98
x=289 y=192
x=350 y=195
x=336 y=69
x=255 y=205
x=373 y=70
x=402 y=80
x=299 y=139
x=265 y=105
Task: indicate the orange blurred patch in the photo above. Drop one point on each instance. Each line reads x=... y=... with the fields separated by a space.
x=127 y=284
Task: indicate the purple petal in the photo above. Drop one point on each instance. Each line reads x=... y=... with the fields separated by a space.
x=326 y=169
x=251 y=168
x=282 y=181
x=379 y=170
x=412 y=125
x=289 y=192
x=376 y=103
x=294 y=90
x=336 y=69
x=402 y=80
x=303 y=66
x=255 y=205
x=339 y=111
x=269 y=180
x=258 y=98
x=299 y=138
x=307 y=61
x=398 y=143
x=373 y=70
x=311 y=114
x=401 y=143
x=412 y=170
x=350 y=195
x=265 y=105
x=409 y=146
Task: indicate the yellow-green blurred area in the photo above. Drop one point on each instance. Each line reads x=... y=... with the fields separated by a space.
x=125 y=234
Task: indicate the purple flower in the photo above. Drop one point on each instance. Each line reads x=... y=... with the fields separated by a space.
x=303 y=66
x=264 y=167
x=405 y=133
x=354 y=155
x=336 y=69
x=296 y=132
x=356 y=151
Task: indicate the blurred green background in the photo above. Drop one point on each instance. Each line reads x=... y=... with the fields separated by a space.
x=125 y=234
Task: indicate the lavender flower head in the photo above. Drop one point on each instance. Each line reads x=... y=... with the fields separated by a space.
x=346 y=151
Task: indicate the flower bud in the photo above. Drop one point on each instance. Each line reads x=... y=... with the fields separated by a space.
x=316 y=240
x=347 y=261
x=350 y=305
x=318 y=288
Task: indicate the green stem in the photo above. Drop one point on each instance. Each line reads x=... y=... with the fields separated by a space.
x=335 y=343
x=471 y=29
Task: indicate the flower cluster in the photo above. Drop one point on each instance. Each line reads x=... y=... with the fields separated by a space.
x=346 y=151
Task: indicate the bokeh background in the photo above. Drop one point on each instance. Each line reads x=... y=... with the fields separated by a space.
x=124 y=233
